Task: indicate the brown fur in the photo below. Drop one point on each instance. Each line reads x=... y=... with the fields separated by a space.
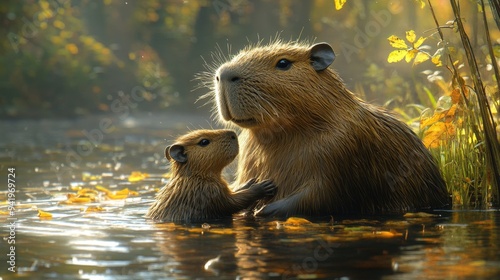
x=197 y=190
x=327 y=151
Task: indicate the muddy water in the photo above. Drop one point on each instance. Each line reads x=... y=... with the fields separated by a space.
x=107 y=237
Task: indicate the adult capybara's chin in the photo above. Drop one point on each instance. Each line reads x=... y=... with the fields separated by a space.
x=327 y=151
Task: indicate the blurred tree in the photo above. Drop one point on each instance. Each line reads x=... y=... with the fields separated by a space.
x=55 y=68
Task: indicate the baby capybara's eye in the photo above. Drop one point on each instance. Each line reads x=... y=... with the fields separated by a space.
x=204 y=142
x=284 y=64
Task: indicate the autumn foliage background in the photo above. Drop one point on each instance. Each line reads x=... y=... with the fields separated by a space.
x=68 y=58
x=76 y=58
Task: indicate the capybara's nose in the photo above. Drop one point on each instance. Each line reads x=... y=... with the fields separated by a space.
x=231 y=134
x=227 y=74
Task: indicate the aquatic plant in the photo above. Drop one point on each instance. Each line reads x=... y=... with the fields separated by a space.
x=460 y=131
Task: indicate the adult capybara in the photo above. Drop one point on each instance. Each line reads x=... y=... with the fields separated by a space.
x=197 y=191
x=327 y=151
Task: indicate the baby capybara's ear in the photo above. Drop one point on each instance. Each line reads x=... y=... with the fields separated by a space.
x=321 y=56
x=176 y=152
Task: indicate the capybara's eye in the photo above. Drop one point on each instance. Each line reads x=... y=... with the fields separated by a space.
x=203 y=142
x=284 y=64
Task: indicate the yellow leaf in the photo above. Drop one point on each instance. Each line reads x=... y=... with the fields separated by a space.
x=410 y=55
x=93 y=209
x=72 y=198
x=419 y=42
x=396 y=56
x=410 y=36
x=397 y=42
x=87 y=192
x=419 y=215
x=126 y=191
x=425 y=122
x=421 y=57
x=339 y=4
x=121 y=194
x=137 y=176
x=387 y=234
x=437 y=60
x=116 y=196
x=102 y=189
x=297 y=221
x=438 y=132
x=44 y=215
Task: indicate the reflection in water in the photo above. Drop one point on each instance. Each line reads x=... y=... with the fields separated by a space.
x=114 y=241
x=467 y=246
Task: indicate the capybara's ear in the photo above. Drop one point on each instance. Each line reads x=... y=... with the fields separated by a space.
x=176 y=152
x=167 y=153
x=322 y=56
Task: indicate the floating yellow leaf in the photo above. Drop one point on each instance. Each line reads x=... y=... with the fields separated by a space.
x=124 y=191
x=397 y=42
x=137 y=176
x=87 y=192
x=93 y=209
x=387 y=234
x=419 y=215
x=396 y=56
x=116 y=196
x=339 y=4
x=72 y=198
x=44 y=215
x=102 y=189
x=297 y=221
x=121 y=194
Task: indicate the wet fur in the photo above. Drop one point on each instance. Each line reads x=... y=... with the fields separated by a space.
x=327 y=151
x=197 y=191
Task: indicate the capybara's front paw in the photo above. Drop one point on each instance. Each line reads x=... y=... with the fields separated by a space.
x=266 y=188
x=248 y=184
x=269 y=210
